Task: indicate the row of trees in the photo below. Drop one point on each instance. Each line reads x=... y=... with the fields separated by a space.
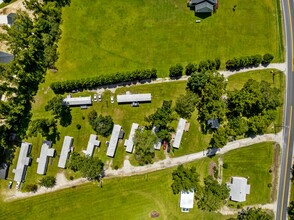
x=33 y=42
x=101 y=80
x=248 y=61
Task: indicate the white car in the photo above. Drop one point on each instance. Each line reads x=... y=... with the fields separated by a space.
x=9 y=184
x=99 y=97
x=17 y=185
x=95 y=97
x=112 y=99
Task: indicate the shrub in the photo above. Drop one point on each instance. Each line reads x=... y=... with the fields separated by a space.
x=48 y=181
x=225 y=165
x=191 y=68
x=267 y=58
x=269 y=185
x=176 y=71
x=71 y=178
x=31 y=188
x=78 y=126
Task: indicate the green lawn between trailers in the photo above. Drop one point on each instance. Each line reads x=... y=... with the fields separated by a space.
x=135 y=197
x=102 y=37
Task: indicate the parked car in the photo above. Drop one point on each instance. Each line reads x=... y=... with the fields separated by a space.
x=135 y=104
x=112 y=99
x=9 y=184
x=17 y=185
x=164 y=145
x=95 y=97
x=99 y=97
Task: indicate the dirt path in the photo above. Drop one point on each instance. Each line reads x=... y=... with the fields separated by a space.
x=233 y=211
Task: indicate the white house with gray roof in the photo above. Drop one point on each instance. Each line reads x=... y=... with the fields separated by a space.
x=113 y=140
x=23 y=162
x=77 y=101
x=203 y=6
x=46 y=152
x=187 y=201
x=92 y=143
x=129 y=143
x=67 y=144
x=7 y=19
x=179 y=133
x=238 y=189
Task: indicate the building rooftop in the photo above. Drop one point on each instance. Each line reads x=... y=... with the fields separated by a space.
x=46 y=152
x=129 y=143
x=67 y=144
x=113 y=141
x=213 y=123
x=129 y=98
x=179 y=133
x=22 y=162
x=3 y=170
x=238 y=189
x=7 y=19
x=92 y=143
x=5 y=57
x=76 y=101
x=187 y=200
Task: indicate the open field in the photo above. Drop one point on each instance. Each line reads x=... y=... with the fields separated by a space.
x=253 y=162
x=135 y=197
x=96 y=39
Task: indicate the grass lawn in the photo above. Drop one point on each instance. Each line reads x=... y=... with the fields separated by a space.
x=135 y=197
x=277 y=80
x=100 y=37
x=253 y=162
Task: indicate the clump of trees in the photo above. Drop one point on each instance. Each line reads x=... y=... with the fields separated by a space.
x=59 y=110
x=185 y=105
x=176 y=71
x=48 y=181
x=204 y=65
x=248 y=61
x=94 y=82
x=144 y=141
x=103 y=125
x=90 y=167
x=291 y=210
x=253 y=214
x=161 y=119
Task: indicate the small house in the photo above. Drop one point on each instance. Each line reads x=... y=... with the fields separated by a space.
x=203 y=6
x=3 y=171
x=7 y=19
x=213 y=123
x=238 y=189
x=187 y=201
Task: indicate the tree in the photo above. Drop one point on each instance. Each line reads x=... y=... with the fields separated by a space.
x=103 y=125
x=144 y=143
x=60 y=110
x=191 y=68
x=176 y=71
x=185 y=179
x=31 y=188
x=219 y=138
x=253 y=214
x=238 y=126
x=46 y=127
x=258 y=124
x=291 y=210
x=267 y=58
x=48 y=181
x=185 y=105
x=213 y=195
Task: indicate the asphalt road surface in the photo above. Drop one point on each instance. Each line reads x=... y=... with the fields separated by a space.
x=287 y=148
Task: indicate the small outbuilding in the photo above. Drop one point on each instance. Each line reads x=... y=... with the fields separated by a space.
x=46 y=152
x=203 y=6
x=238 y=189
x=7 y=19
x=3 y=171
x=5 y=57
x=187 y=201
x=213 y=123
x=66 y=147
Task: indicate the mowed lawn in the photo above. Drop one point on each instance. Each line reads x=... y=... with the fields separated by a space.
x=135 y=197
x=101 y=37
x=252 y=162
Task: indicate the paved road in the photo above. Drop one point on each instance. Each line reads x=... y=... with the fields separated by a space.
x=287 y=151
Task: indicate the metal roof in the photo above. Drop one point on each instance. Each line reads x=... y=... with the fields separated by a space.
x=179 y=133
x=129 y=143
x=92 y=143
x=5 y=57
x=157 y=145
x=7 y=19
x=3 y=170
x=46 y=152
x=74 y=101
x=128 y=98
x=187 y=199
x=238 y=189
x=113 y=141
x=204 y=7
x=67 y=143
x=22 y=162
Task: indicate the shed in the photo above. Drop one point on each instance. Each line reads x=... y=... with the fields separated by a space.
x=113 y=140
x=238 y=189
x=92 y=143
x=187 y=200
x=67 y=144
x=77 y=101
x=3 y=171
x=213 y=123
x=46 y=152
x=5 y=57
x=179 y=133
x=130 y=98
x=129 y=143
x=7 y=19
x=23 y=162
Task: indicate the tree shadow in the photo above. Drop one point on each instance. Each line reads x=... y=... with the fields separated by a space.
x=65 y=117
x=202 y=15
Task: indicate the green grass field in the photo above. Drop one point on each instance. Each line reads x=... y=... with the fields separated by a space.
x=101 y=37
x=135 y=197
x=255 y=163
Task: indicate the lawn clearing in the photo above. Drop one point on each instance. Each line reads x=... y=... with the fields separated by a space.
x=96 y=39
x=253 y=162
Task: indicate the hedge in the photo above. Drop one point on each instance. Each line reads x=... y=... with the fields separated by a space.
x=90 y=83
